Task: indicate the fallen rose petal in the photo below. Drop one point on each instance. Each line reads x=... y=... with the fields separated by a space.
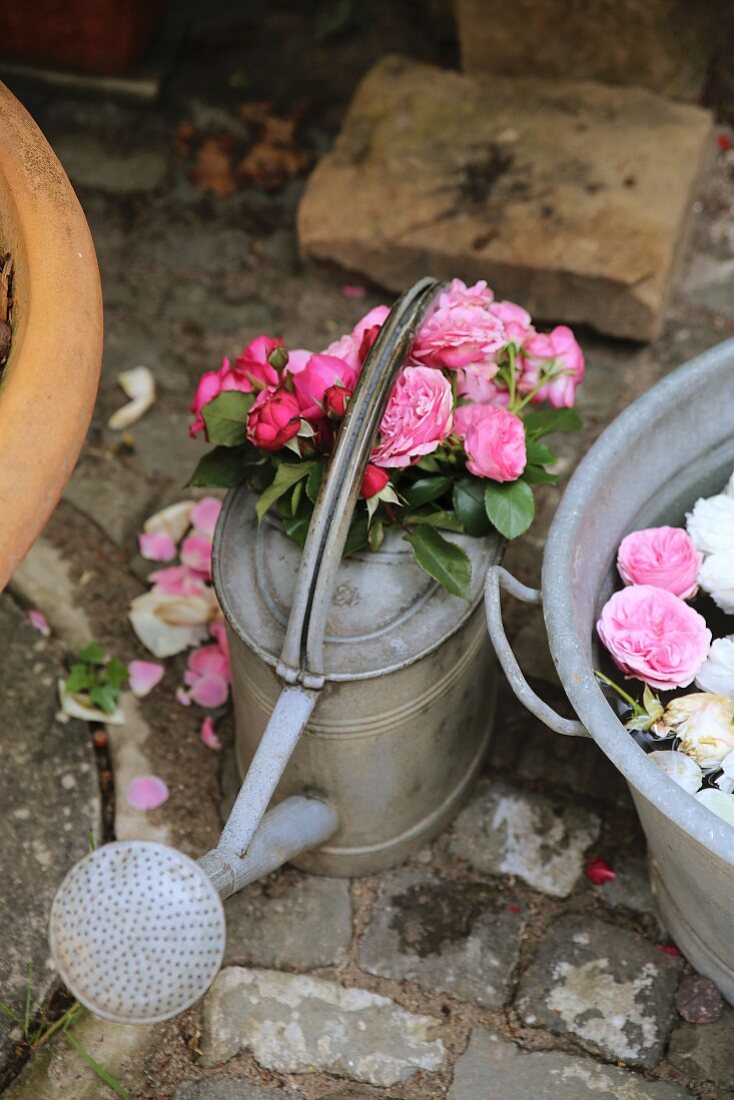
x=353 y=291
x=671 y=949
x=209 y=661
x=147 y=792
x=196 y=552
x=218 y=630
x=698 y=1000
x=205 y=515
x=209 y=736
x=210 y=691
x=157 y=547
x=139 y=385
x=174 y=520
x=169 y=624
x=144 y=675
x=183 y=697
x=39 y=620
x=76 y=707
x=598 y=871
x=178 y=580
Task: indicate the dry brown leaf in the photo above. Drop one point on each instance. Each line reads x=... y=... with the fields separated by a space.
x=213 y=168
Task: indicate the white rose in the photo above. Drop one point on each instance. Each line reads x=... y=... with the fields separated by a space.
x=716 y=576
x=718 y=802
x=711 y=524
x=681 y=768
x=705 y=724
x=729 y=491
x=717 y=672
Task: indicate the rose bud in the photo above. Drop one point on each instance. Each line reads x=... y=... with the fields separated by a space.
x=368 y=338
x=273 y=419
x=374 y=481
x=336 y=400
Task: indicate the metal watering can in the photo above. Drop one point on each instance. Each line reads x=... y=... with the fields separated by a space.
x=402 y=675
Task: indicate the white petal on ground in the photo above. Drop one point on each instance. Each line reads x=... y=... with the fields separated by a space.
x=174 y=520
x=139 y=385
x=718 y=802
x=716 y=576
x=711 y=524
x=717 y=672
x=680 y=768
x=169 y=624
x=75 y=707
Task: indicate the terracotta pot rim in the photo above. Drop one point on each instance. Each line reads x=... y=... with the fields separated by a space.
x=49 y=384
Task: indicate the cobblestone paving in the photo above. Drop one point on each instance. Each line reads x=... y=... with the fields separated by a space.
x=488 y=966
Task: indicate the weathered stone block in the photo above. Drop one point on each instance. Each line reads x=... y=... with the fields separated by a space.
x=609 y=988
x=505 y=831
x=660 y=44
x=491 y=1067
x=570 y=198
x=296 y=1024
x=704 y=1051
x=446 y=935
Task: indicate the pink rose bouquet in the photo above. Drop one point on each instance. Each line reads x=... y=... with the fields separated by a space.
x=460 y=444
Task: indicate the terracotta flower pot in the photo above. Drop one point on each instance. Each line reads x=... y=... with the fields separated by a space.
x=49 y=384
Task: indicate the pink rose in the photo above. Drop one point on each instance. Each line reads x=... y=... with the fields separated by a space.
x=477 y=384
x=336 y=400
x=461 y=330
x=350 y=347
x=273 y=419
x=417 y=418
x=313 y=375
x=664 y=557
x=517 y=321
x=374 y=481
x=654 y=636
x=211 y=384
x=252 y=365
x=495 y=444
x=557 y=356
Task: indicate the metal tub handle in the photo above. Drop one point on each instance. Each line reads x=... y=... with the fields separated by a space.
x=498 y=578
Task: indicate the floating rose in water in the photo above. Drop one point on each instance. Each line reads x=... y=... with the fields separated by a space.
x=664 y=557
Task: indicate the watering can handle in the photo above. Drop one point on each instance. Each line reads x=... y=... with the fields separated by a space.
x=302 y=657
x=498 y=578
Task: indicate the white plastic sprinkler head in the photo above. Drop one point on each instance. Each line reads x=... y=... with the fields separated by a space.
x=137 y=931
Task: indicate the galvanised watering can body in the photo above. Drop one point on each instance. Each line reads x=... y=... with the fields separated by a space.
x=406 y=713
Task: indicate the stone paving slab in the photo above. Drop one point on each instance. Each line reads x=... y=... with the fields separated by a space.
x=295 y=1024
x=506 y=831
x=609 y=988
x=230 y=1090
x=50 y=800
x=571 y=198
x=492 y=1069
x=292 y=920
x=705 y=1052
x=447 y=935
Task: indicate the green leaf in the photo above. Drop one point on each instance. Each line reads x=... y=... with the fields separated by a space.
x=296 y=528
x=296 y=497
x=104 y=696
x=101 y=1072
x=93 y=654
x=538 y=475
x=313 y=483
x=80 y=679
x=469 y=506
x=358 y=535
x=425 y=489
x=115 y=673
x=225 y=467
x=428 y=463
x=545 y=421
x=285 y=478
x=377 y=535
x=510 y=507
x=445 y=521
x=539 y=454
x=226 y=417
x=442 y=560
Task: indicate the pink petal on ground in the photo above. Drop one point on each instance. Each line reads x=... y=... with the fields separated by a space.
x=208 y=735
x=157 y=547
x=177 y=580
x=209 y=661
x=40 y=622
x=670 y=949
x=183 y=697
x=352 y=291
x=219 y=631
x=210 y=691
x=205 y=515
x=196 y=552
x=147 y=792
x=144 y=675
